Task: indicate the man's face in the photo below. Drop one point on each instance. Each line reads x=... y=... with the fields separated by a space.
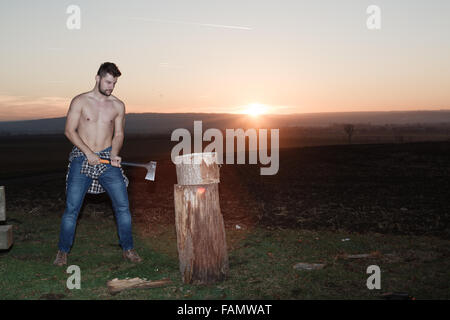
x=106 y=84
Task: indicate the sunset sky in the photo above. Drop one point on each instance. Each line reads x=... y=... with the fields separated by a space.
x=224 y=56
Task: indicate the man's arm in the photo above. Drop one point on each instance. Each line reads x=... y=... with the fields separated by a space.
x=117 y=141
x=70 y=131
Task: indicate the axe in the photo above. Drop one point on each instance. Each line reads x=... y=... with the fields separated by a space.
x=151 y=167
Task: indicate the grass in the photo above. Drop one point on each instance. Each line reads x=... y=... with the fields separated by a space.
x=261 y=263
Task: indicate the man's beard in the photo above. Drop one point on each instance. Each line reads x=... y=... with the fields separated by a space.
x=103 y=92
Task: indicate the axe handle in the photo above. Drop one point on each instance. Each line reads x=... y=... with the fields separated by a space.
x=133 y=164
x=107 y=161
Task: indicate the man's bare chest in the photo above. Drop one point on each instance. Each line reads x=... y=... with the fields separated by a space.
x=103 y=113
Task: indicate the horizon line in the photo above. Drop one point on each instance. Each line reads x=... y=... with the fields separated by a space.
x=259 y=116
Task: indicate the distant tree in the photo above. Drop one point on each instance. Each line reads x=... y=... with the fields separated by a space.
x=349 y=129
x=398 y=135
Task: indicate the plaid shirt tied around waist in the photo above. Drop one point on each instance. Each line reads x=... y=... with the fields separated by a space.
x=92 y=171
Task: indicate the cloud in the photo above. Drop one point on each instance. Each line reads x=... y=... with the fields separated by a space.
x=193 y=23
x=26 y=108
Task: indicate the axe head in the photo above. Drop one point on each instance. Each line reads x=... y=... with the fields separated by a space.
x=151 y=168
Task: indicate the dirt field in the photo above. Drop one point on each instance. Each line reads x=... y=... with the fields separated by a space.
x=398 y=188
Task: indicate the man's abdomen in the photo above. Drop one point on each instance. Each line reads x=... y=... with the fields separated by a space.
x=96 y=137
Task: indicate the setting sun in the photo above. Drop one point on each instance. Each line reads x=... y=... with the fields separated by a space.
x=255 y=109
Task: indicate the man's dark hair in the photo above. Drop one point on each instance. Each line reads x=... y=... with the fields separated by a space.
x=108 y=67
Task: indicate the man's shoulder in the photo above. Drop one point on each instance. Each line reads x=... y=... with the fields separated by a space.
x=117 y=102
x=81 y=97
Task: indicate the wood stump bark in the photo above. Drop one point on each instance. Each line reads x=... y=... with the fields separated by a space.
x=201 y=239
x=197 y=168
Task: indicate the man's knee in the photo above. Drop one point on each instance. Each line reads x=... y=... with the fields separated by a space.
x=122 y=207
x=72 y=209
x=123 y=216
x=74 y=200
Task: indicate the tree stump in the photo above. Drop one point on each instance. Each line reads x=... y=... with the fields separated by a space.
x=201 y=240
x=197 y=168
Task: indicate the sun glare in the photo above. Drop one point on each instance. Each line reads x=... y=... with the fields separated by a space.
x=255 y=109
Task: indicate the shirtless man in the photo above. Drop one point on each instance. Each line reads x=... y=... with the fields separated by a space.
x=95 y=125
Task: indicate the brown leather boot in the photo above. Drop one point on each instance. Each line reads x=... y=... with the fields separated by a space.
x=61 y=259
x=131 y=255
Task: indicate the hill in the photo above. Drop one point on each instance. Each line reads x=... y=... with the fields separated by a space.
x=163 y=123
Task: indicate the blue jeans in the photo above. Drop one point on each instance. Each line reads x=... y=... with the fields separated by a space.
x=77 y=186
